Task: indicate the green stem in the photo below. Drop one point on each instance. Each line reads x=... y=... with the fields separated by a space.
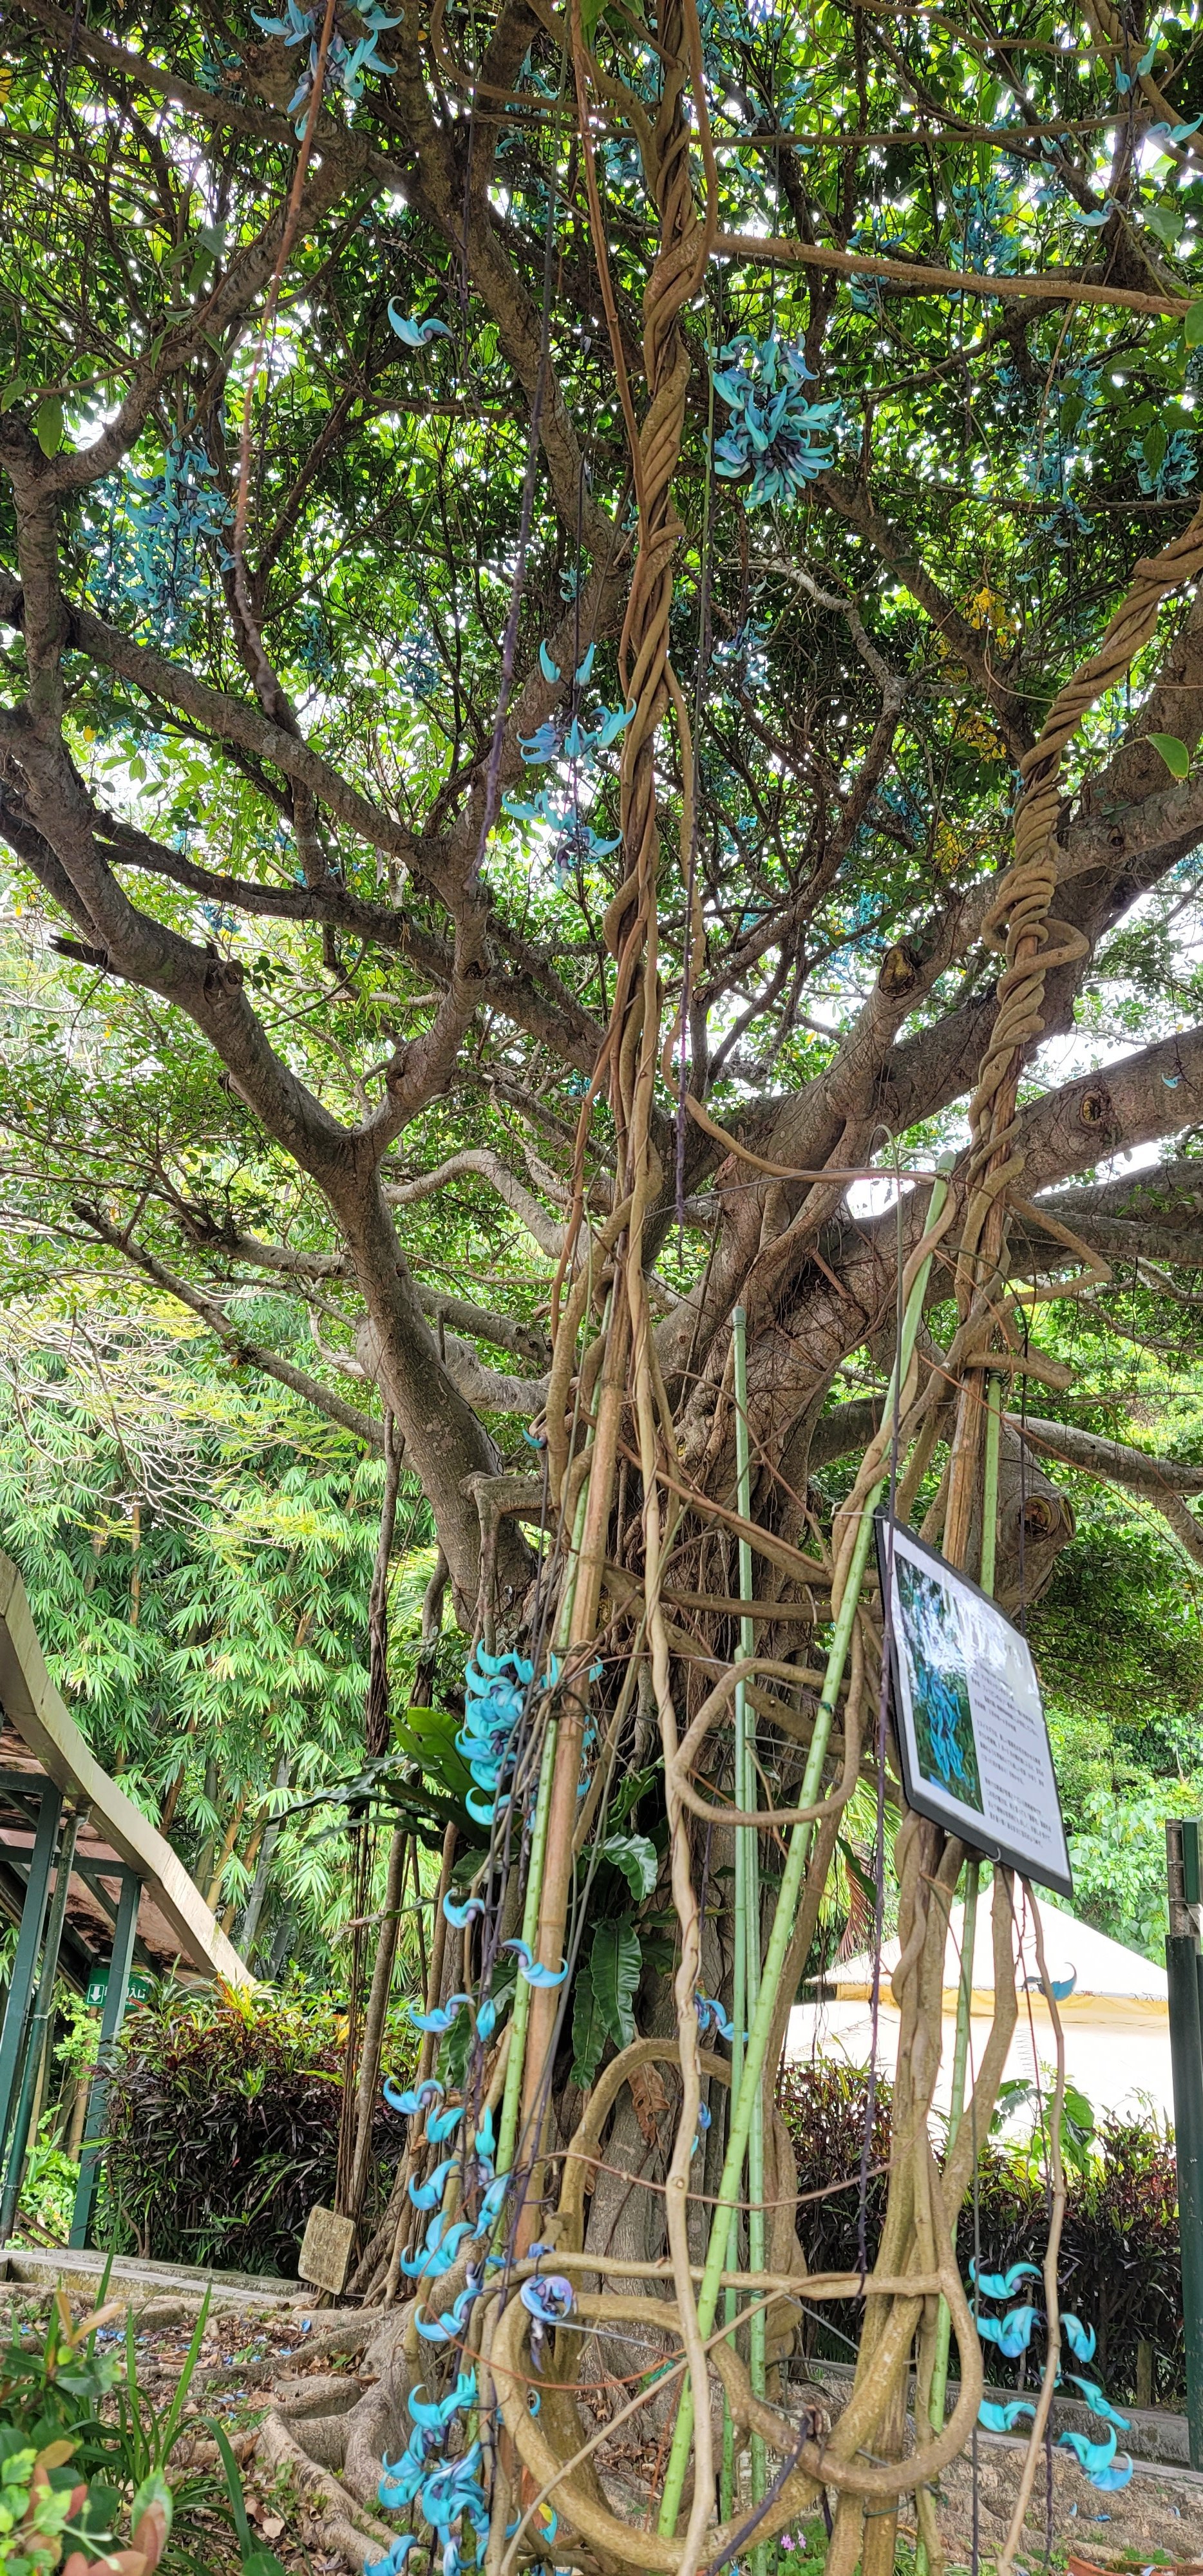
x=747 y=1900
x=973 y=1875
x=990 y=1481
x=785 y=1914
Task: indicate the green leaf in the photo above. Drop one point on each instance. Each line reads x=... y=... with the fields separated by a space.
x=1174 y=753
x=1193 y=326
x=233 y=2479
x=638 y=1860
x=615 y=1967
x=1080 y=2109
x=48 y=425
x=192 y=2356
x=153 y=2490
x=1154 y=445
x=588 y=2029
x=428 y=1735
x=1166 y=222
x=633 y=1788
x=455 y=2047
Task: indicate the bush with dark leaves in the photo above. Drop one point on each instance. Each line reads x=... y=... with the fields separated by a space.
x=222 y=2121
x=1121 y=2263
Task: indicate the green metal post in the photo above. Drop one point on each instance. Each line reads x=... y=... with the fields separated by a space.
x=1184 y=1971
x=793 y=1874
x=113 y=2016
x=29 y=1943
x=38 y=2026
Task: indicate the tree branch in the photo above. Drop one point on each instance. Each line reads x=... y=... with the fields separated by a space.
x=1061 y=287
x=1161 y=1481
x=483 y=1162
x=856 y=506
x=225 y=719
x=243 y=1353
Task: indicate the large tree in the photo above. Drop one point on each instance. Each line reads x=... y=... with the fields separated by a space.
x=536 y=548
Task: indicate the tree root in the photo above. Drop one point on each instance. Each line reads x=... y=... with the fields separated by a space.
x=341 y=2524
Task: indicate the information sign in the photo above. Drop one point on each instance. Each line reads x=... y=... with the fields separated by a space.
x=971 y=1729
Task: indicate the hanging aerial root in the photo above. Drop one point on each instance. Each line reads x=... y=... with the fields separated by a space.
x=817 y=2462
x=1052 y=2357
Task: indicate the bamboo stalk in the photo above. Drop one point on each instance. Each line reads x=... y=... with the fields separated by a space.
x=797 y=1856
x=973 y=1879
x=747 y=1904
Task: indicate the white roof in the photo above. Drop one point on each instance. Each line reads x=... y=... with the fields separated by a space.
x=1098 y=1965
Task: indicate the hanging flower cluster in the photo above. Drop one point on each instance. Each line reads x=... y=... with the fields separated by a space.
x=1165 y=467
x=347 y=64
x=565 y=736
x=981 y=215
x=448 y=2492
x=775 y=436
x=315 y=656
x=1011 y=2335
x=742 y=657
x=418 y=662
x=435 y=2481
x=575 y=843
x=158 y=532
x=496 y=1687
x=896 y=809
x=481 y=2182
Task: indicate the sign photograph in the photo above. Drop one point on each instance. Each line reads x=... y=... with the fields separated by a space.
x=972 y=1736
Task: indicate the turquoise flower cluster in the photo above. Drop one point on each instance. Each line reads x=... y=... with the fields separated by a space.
x=775 y=437
x=347 y=64
x=1011 y=2336
x=497 y=1687
x=448 y=2492
x=158 y=532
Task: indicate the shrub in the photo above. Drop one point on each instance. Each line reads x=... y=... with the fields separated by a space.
x=84 y=2456
x=1121 y=2264
x=223 y=2115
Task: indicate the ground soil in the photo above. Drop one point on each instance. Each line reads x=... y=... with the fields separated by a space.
x=240 y=2355
x=1162 y=2509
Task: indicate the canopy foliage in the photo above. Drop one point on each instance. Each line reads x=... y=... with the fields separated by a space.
x=316 y=497
x=525 y=533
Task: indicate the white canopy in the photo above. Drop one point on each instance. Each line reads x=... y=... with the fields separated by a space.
x=1097 y=1965
x=1115 y=2014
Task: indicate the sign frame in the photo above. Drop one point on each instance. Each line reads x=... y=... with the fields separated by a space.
x=326 y=2248
x=944 y=1807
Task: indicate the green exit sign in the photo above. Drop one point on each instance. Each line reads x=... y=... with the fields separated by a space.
x=98 y=1987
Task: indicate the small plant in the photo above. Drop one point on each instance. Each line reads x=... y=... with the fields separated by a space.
x=1121 y=2261
x=47 y=2188
x=83 y=2457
